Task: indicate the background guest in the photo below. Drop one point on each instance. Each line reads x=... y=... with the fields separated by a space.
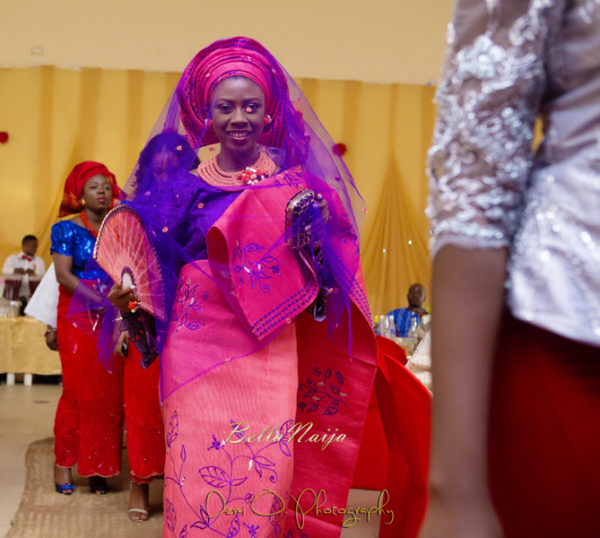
x=89 y=418
x=403 y=317
x=26 y=264
x=516 y=286
x=88 y=427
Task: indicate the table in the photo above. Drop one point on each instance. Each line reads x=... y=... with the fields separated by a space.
x=23 y=348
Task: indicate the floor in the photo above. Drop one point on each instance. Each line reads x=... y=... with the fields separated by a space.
x=27 y=414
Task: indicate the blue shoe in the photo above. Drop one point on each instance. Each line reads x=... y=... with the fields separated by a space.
x=64 y=489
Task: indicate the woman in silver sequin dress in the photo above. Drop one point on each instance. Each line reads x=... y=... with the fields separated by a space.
x=516 y=286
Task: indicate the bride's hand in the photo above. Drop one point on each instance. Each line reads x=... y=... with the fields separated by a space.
x=121 y=297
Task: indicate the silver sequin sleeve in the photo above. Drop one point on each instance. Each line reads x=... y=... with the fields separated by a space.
x=509 y=61
x=493 y=81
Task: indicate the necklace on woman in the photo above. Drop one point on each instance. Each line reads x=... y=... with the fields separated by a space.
x=211 y=172
x=88 y=224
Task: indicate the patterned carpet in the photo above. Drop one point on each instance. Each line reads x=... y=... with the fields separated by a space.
x=43 y=513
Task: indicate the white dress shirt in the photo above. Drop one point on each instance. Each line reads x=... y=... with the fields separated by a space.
x=25 y=262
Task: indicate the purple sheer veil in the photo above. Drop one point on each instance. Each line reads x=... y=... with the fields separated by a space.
x=165 y=157
x=295 y=141
x=301 y=139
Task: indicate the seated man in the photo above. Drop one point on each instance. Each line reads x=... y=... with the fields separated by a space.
x=403 y=317
x=26 y=263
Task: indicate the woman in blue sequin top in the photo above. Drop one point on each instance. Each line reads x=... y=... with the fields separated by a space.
x=89 y=418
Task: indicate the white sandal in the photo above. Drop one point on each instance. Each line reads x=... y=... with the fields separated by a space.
x=138 y=511
x=142 y=511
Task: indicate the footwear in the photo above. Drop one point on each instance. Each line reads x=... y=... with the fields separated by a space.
x=140 y=511
x=138 y=495
x=64 y=475
x=64 y=489
x=98 y=485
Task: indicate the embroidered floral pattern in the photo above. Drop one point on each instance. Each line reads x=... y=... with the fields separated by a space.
x=258 y=271
x=292 y=534
x=275 y=520
x=188 y=299
x=170 y=515
x=252 y=530
x=226 y=479
x=290 y=178
x=173 y=430
x=325 y=392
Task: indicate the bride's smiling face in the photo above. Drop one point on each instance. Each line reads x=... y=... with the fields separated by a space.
x=238 y=114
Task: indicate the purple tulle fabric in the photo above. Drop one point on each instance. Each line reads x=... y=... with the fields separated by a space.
x=167 y=195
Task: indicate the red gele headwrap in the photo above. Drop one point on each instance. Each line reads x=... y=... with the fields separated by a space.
x=237 y=56
x=71 y=202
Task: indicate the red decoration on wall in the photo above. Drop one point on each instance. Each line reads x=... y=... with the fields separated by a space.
x=340 y=148
x=3 y=137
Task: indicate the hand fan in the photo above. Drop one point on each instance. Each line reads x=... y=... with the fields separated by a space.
x=125 y=252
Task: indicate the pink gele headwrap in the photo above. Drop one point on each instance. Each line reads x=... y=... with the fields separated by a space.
x=237 y=56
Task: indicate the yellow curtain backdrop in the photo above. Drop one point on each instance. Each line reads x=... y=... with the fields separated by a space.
x=58 y=117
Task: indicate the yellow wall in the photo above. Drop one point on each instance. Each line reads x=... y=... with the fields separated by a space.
x=369 y=40
x=57 y=117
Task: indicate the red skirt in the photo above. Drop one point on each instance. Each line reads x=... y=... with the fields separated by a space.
x=88 y=428
x=544 y=443
x=143 y=418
